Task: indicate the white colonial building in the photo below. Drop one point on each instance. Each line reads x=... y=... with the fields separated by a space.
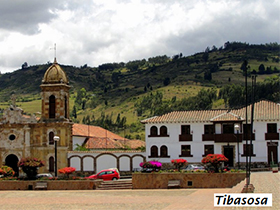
x=191 y=135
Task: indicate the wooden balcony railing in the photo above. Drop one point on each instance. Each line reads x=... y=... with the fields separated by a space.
x=185 y=137
x=272 y=136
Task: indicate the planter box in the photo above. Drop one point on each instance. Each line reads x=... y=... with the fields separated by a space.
x=51 y=185
x=187 y=180
x=274 y=169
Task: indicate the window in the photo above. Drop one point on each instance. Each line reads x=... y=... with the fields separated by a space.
x=65 y=107
x=163 y=151
x=247 y=128
x=51 y=140
x=12 y=137
x=154 y=151
x=153 y=131
x=208 y=129
x=51 y=164
x=163 y=131
x=185 y=151
x=52 y=106
x=248 y=150
x=271 y=128
x=185 y=129
x=208 y=149
x=228 y=128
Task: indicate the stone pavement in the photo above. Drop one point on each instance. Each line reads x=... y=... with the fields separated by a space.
x=264 y=182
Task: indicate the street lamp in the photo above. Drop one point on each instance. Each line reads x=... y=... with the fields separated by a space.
x=237 y=128
x=56 y=139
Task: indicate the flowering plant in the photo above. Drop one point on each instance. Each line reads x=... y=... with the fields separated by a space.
x=7 y=171
x=179 y=163
x=214 y=160
x=30 y=166
x=151 y=164
x=30 y=162
x=67 y=170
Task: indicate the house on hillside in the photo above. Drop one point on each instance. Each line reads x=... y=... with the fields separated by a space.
x=23 y=136
x=191 y=135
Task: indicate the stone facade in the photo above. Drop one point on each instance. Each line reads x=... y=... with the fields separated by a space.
x=23 y=136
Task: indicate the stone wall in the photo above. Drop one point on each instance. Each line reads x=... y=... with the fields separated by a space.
x=187 y=180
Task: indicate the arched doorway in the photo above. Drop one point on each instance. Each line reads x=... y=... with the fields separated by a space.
x=12 y=161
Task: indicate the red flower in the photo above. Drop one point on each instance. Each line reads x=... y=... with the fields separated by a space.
x=67 y=170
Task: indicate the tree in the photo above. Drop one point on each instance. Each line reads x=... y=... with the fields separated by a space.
x=205 y=56
x=261 y=69
x=166 y=81
x=74 y=112
x=208 y=75
x=24 y=65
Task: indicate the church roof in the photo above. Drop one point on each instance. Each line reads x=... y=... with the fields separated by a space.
x=55 y=74
x=263 y=110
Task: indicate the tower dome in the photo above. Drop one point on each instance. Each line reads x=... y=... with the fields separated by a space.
x=55 y=74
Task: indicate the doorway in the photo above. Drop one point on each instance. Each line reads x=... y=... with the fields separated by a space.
x=12 y=161
x=272 y=153
x=228 y=153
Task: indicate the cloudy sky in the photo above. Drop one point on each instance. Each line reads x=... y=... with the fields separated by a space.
x=94 y=32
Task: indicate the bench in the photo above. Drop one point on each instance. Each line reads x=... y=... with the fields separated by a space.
x=41 y=186
x=173 y=184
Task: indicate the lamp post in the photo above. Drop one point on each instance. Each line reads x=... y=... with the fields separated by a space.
x=56 y=139
x=237 y=128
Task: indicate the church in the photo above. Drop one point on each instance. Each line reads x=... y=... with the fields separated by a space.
x=24 y=136
x=29 y=136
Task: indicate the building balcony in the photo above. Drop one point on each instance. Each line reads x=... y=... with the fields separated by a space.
x=185 y=137
x=272 y=136
x=208 y=137
x=227 y=137
x=248 y=136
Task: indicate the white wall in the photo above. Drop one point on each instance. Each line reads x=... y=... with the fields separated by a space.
x=105 y=160
x=197 y=145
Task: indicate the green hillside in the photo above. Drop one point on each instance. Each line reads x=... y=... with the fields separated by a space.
x=118 y=95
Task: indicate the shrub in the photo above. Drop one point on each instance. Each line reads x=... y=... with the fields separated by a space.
x=7 y=171
x=150 y=166
x=67 y=171
x=179 y=163
x=214 y=160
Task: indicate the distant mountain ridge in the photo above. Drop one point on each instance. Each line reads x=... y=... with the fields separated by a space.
x=113 y=78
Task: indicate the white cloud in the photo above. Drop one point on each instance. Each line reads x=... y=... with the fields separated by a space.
x=96 y=32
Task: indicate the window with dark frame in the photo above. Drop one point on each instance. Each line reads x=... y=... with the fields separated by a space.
x=248 y=150
x=271 y=128
x=208 y=149
x=154 y=151
x=51 y=140
x=52 y=106
x=209 y=129
x=153 y=131
x=51 y=164
x=163 y=131
x=185 y=151
x=228 y=128
x=185 y=129
x=163 y=151
x=247 y=128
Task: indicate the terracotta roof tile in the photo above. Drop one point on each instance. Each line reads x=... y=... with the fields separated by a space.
x=100 y=138
x=263 y=110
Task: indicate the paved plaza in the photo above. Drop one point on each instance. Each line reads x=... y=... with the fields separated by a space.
x=264 y=182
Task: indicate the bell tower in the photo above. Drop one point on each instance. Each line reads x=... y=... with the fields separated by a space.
x=55 y=94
